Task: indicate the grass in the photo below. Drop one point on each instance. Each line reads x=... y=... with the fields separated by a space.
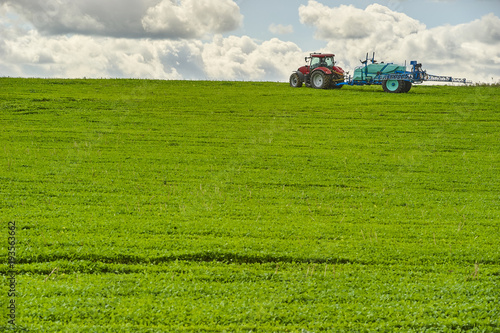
x=176 y=206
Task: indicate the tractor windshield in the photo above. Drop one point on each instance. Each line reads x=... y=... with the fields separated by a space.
x=329 y=62
x=322 y=62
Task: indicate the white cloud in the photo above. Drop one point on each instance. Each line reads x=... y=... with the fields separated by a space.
x=26 y=52
x=171 y=19
x=280 y=29
x=242 y=58
x=101 y=42
x=471 y=50
x=87 y=17
x=192 y=18
x=349 y=22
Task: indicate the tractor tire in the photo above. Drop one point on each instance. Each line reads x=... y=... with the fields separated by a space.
x=407 y=86
x=320 y=80
x=393 y=86
x=295 y=81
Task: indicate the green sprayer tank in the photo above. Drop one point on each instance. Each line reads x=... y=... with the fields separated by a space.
x=369 y=72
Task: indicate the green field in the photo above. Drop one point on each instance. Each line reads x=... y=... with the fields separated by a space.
x=191 y=206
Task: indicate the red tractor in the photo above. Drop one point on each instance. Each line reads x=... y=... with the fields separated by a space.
x=321 y=73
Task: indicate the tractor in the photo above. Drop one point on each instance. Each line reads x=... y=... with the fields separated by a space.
x=320 y=73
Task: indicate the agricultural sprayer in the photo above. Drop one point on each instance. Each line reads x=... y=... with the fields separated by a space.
x=322 y=73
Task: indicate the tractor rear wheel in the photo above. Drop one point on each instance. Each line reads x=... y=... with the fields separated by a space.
x=295 y=81
x=320 y=80
x=393 y=86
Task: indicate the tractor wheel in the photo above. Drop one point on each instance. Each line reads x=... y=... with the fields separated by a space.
x=295 y=81
x=320 y=80
x=407 y=86
x=393 y=86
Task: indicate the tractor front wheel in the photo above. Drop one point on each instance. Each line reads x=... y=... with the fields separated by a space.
x=295 y=81
x=320 y=80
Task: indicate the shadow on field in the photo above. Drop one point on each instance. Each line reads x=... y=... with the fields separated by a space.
x=205 y=256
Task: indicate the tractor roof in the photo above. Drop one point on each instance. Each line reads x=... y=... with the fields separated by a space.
x=322 y=55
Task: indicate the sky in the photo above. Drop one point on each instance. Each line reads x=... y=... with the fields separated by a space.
x=249 y=40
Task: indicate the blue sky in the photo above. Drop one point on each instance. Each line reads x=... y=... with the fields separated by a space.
x=243 y=39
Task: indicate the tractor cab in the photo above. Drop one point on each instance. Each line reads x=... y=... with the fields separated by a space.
x=321 y=60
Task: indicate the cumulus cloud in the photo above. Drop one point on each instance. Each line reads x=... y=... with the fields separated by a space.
x=192 y=18
x=349 y=22
x=471 y=50
x=244 y=59
x=167 y=39
x=280 y=29
x=85 y=56
x=130 y=18
x=27 y=52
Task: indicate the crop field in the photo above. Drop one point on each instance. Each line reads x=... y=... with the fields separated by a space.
x=193 y=206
